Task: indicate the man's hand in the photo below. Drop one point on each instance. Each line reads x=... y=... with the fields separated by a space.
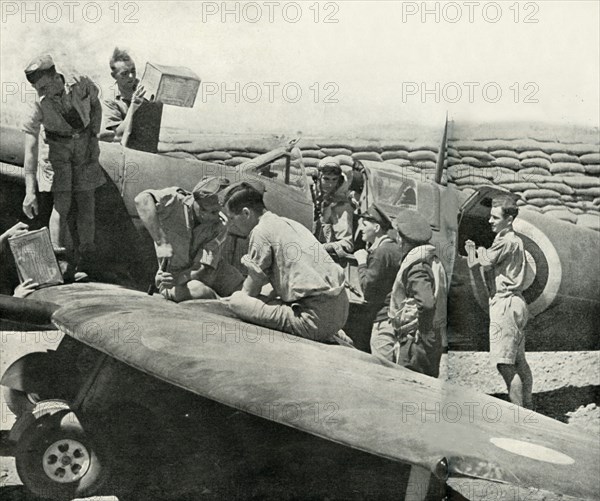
x=138 y=97
x=18 y=229
x=30 y=205
x=469 y=246
x=361 y=256
x=165 y=279
x=164 y=250
x=26 y=288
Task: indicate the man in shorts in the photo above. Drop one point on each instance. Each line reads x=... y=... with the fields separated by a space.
x=69 y=114
x=508 y=310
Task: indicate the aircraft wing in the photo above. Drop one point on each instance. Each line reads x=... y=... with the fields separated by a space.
x=333 y=392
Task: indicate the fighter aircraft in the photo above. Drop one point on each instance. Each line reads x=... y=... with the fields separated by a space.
x=564 y=259
x=128 y=345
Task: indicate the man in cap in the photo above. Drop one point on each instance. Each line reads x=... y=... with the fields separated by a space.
x=508 y=309
x=118 y=112
x=190 y=238
x=312 y=300
x=69 y=113
x=377 y=266
x=412 y=334
x=335 y=212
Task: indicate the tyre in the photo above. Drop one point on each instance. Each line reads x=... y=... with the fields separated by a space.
x=19 y=402
x=56 y=459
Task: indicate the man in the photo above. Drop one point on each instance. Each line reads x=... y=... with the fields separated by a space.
x=70 y=113
x=118 y=112
x=313 y=303
x=377 y=266
x=335 y=212
x=508 y=310
x=411 y=335
x=189 y=238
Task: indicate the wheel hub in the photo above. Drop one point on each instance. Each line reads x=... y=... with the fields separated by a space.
x=66 y=461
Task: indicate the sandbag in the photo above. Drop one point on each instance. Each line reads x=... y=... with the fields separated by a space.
x=505 y=153
x=564 y=157
x=563 y=189
x=530 y=154
x=453 y=161
x=367 y=155
x=424 y=164
x=236 y=161
x=332 y=152
x=543 y=202
x=391 y=155
x=482 y=156
x=345 y=160
x=588 y=192
x=563 y=167
x=590 y=158
x=593 y=169
x=313 y=154
x=544 y=163
x=422 y=156
x=536 y=171
x=581 y=181
x=181 y=154
x=514 y=187
x=509 y=163
x=474 y=162
x=311 y=162
x=540 y=193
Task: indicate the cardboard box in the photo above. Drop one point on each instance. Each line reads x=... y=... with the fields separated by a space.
x=35 y=258
x=175 y=85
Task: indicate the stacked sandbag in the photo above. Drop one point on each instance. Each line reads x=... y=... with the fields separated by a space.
x=560 y=180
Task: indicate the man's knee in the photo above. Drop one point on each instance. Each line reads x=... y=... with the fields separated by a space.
x=62 y=202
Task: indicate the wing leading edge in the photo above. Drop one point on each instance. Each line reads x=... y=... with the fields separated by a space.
x=332 y=392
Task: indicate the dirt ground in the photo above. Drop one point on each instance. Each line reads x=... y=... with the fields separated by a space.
x=566 y=388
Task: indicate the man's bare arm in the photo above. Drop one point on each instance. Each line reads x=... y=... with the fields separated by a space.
x=146 y=209
x=30 y=203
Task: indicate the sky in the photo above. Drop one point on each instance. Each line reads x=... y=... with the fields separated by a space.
x=327 y=67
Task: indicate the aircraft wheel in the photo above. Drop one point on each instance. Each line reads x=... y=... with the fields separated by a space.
x=19 y=402
x=56 y=459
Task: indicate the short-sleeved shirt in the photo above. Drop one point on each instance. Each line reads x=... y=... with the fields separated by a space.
x=48 y=111
x=291 y=259
x=507 y=258
x=114 y=113
x=193 y=243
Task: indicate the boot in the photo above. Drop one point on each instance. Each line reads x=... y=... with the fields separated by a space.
x=64 y=263
x=86 y=263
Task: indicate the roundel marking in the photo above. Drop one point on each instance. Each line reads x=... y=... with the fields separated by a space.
x=532 y=451
x=545 y=267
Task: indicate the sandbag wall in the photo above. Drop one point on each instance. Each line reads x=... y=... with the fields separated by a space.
x=561 y=180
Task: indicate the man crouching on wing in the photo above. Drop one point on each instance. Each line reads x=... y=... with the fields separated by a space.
x=313 y=303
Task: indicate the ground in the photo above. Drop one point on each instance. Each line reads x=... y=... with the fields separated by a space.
x=566 y=388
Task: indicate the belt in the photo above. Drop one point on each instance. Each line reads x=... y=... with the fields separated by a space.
x=55 y=136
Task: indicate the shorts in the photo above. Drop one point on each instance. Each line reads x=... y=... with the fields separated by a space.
x=70 y=164
x=508 y=317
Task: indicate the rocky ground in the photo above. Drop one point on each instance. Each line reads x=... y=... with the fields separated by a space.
x=566 y=388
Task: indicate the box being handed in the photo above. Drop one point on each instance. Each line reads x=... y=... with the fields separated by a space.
x=175 y=85
x=35 y=258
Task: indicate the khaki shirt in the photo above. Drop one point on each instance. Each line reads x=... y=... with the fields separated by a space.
x=46 y=112
x=507 y=258
x=194 y=244
x=291 y=259
x=114 y=113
